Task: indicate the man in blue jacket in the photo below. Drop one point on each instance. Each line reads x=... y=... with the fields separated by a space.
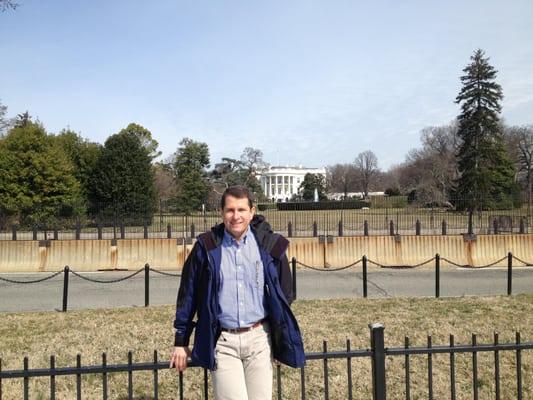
x=238 y=284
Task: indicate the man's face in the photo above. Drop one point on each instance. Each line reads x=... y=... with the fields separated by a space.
x=237 y=215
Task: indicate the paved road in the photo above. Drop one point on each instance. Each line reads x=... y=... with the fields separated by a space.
x=310 y=285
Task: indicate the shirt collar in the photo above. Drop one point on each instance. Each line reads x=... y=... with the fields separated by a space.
x=230 y=240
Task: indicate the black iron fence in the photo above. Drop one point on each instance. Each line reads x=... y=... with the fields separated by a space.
x=295 y=225
x=378 y=354
x=363 y=262
x=383 y=216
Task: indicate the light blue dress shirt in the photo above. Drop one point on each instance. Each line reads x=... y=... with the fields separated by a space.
x=241 y=295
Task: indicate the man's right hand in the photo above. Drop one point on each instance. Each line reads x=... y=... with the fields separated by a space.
x=179 y=358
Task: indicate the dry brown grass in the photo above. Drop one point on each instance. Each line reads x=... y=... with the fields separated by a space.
x=39 y=335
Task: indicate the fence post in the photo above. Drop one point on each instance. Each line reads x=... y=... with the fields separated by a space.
x=78 y=230
x=315 y=229
x=444 y=227
x=417 y=228
x=145 y=229
x=522 y=225
x=437 y=275
x=122 y=231
x=341 y=230
x=146 y=285
x=66 y=272
x=13 y=232
x=391 y=227
x=34 y=233
x=99 y=229
x=169 y=231
x=365 y=276
x=377 y=343
x=496 y=227
x=470 y=223
x=293 y=262
x=365 y=228
x=193 y=231
x=289 y=229
x=56 y=234
x=509 y=273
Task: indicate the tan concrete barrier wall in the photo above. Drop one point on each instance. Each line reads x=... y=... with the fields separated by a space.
x=22 y=256
x=170 y=254
x=81 y=255
x=412 y=250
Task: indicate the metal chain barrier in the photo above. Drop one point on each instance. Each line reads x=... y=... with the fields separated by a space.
x=472 y=267
x=328 y=269
x=526 y=264
x=34 y=281
x=356 y=228
x=106 y=281
x=163 y=273
x=401 y=266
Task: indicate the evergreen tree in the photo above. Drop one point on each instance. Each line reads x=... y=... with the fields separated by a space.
x=123 y=181
x=190 y=161
x=486 y=171
x=83 y=154
x=37 y=181
x=309 y=184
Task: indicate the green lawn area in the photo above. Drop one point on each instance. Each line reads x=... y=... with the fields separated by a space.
x=91 y=332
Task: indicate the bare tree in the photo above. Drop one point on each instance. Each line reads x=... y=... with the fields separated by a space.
x=429 y=173
x=366 y=164
x=342 y=178
x=520 y=143
x=8 y=5
x=252 y=160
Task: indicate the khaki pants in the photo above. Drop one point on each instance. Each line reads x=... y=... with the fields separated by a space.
x=244 y=365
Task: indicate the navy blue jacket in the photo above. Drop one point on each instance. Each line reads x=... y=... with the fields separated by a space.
x=198 y=294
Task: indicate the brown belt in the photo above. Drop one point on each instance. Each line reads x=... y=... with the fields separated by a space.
x=246 y=329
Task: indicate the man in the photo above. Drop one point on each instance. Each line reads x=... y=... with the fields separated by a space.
x=237 y=280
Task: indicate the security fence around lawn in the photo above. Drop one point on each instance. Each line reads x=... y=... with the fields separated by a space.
x=362 y=263
x=382 y=218
x=382 y=371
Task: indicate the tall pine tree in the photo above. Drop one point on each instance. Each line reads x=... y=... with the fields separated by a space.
x=486 y=171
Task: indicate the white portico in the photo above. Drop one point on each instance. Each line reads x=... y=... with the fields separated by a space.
x=281 y=183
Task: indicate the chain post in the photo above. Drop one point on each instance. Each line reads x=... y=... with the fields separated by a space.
x=365 y=278
x=66 y=272
x=509 y=273
x=437 y=275
x=293 y=262
x=146 y=285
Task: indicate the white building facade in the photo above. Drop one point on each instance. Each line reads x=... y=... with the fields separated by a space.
x=282 y=183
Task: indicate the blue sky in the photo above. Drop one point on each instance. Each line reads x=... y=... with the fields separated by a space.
x=307 y=82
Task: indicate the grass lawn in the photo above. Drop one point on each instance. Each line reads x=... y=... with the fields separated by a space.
x=91 y=332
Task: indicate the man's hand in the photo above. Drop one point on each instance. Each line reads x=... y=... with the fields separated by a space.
x=179 y=358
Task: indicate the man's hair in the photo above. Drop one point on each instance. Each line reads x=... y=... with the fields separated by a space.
x=239 y=192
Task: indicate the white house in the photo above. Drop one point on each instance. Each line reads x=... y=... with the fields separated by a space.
x=281 y=183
